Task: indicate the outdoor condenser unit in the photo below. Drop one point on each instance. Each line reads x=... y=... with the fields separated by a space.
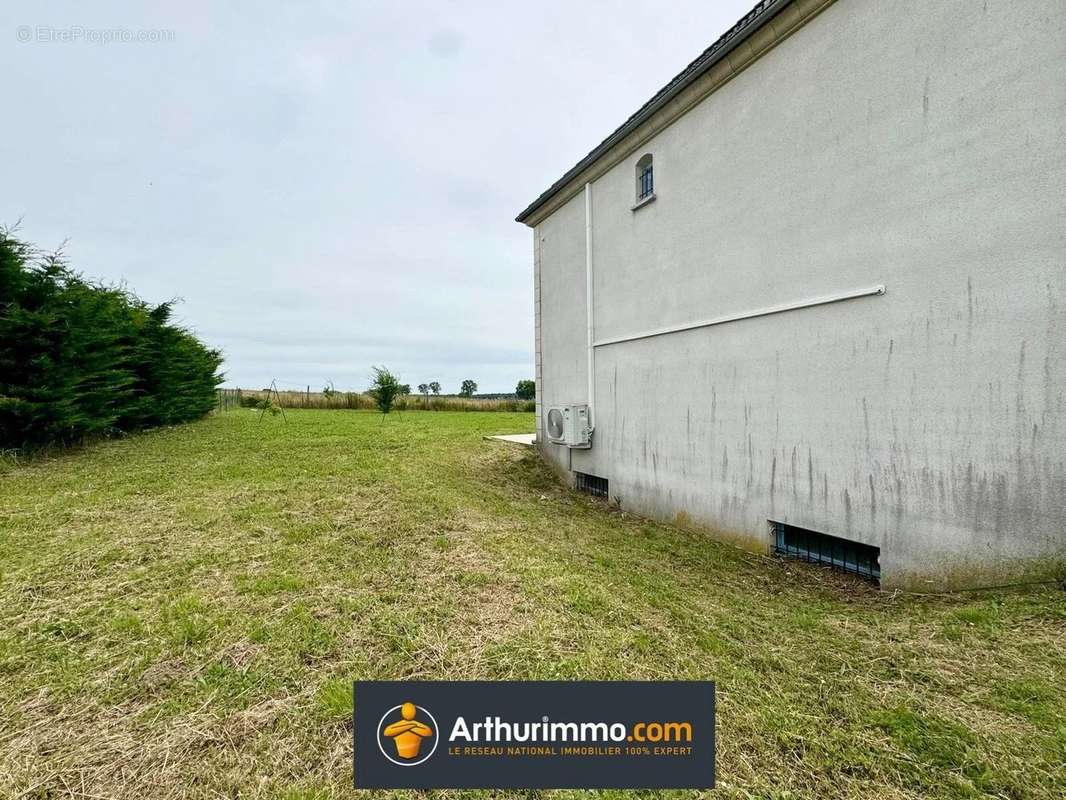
x=569 y=425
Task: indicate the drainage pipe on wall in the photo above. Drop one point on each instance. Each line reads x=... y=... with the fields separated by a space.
x=588 y=307
x=879 y=289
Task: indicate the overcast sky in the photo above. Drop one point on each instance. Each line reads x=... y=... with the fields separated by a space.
x=326 y=186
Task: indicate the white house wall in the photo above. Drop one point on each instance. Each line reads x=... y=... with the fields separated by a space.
x=912 y=144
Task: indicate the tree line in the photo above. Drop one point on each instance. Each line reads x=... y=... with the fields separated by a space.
x=79 y=359
x=525 y=390
x=386 y=389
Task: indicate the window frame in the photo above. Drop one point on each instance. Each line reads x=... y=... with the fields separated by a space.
x=645 y=180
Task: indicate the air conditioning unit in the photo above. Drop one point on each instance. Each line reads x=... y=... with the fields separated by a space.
x=569 y=425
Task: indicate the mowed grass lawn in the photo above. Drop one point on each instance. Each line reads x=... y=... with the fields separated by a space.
x=182 y=613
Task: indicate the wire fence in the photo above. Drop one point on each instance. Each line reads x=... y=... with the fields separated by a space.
x=250 y=398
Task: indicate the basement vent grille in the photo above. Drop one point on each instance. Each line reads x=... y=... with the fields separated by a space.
x=821 y=548
x=590 y=484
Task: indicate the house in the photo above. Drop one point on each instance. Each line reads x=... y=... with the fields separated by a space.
x=811 y=297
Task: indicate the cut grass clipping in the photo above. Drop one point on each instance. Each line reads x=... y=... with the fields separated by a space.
x=183 y=612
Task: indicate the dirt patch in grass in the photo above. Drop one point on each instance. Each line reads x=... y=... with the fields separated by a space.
x=182 y=614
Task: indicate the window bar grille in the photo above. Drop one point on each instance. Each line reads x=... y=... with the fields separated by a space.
x=821 y=548
x=590 y=484
x=646 y=182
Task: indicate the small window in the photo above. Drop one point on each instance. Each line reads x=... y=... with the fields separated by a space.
x=645 y=178
x=590 y=484
x=821 y=548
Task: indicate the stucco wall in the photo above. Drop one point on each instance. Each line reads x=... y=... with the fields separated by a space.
x=561 y=320
x=913 y=144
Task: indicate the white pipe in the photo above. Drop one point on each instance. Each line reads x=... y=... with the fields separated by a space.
x=588 y=306
x=761 y=312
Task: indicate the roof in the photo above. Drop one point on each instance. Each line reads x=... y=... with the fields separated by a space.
x=745 y=26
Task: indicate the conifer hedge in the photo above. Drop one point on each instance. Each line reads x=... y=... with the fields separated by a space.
x=79 y=359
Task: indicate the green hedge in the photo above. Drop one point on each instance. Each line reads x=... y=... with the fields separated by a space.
x=80 y=360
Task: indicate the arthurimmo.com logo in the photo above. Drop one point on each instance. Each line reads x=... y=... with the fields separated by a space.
x=533 y=734
x=407 y=735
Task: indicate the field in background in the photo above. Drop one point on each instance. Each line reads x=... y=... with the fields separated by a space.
x=232 y=398
x=182 y=613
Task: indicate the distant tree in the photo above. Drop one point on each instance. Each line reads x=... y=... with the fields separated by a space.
x=423 y=389
x=468 y=388
x=526 y=390
x=434 y=387
x=405 y=388
x=385 y=389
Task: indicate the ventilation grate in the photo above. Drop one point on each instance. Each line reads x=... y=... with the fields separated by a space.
x=821 y=548
x=590 y=484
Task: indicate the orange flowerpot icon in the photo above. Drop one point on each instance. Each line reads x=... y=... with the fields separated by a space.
x=408 y=733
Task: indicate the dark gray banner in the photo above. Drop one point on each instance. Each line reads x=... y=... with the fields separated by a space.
x=534 y=734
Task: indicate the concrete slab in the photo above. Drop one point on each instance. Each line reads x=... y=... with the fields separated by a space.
x=526 y=439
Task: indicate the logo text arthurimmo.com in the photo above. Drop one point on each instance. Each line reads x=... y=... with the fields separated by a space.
x=494 y=729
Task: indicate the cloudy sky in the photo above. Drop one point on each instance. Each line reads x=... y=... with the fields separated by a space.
x=325 y=185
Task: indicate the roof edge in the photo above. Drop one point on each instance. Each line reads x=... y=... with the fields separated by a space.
x=762 y=13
